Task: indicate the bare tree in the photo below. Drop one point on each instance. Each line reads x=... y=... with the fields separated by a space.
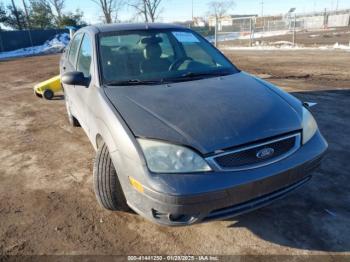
x=141 y=8
x=219 y=8
x=58 y=5
x=153 y=8
x=119 y=5
x=149 y=9
x=110 y=8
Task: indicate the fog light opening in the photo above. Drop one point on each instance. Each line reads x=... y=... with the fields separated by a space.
x=179 y=218
x=158 y=215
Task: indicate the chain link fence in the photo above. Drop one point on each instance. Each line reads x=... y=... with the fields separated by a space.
x=256 y=27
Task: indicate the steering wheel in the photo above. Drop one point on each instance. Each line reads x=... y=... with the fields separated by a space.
x=178 y=62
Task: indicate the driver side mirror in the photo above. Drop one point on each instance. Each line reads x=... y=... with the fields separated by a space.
x=75 y=78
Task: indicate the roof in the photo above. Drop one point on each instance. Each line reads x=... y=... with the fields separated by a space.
x=105 y=28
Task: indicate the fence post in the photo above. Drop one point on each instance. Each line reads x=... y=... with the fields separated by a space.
x=250 y=29
x=1 y=43
x=294 y=29
x=264 y=25
x=30 y=39
x=325 y=19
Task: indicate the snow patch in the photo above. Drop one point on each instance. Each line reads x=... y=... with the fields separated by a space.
x=343 y=47
x=53 y=46
x=245 y=35
x=285 y=45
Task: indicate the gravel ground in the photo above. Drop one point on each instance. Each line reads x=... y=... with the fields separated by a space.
x=47 y=204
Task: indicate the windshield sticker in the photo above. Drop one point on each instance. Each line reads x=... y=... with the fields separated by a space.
x=185 y=37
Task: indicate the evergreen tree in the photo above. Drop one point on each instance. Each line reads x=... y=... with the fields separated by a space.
x=72 y=19
x=41 y=15
x=12 y=17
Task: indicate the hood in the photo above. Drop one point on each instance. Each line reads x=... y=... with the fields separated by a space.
x=209 y=114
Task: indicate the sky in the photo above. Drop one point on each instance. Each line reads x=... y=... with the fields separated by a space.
x=181 y=10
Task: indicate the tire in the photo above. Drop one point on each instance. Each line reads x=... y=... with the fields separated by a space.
x=72 y=120
x=108 y=190
x=48 y=94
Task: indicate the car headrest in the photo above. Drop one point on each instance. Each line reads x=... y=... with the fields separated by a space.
x=151 y=40
x=152 y=51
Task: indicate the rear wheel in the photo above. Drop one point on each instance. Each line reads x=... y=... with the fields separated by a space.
x=108 y=190
x=48 y=94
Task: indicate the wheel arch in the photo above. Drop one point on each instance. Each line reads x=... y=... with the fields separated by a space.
x=103 y=135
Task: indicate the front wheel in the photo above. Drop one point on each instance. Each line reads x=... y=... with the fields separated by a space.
x=108 y=190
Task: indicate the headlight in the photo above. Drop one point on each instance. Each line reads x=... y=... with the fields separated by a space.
x=168 y=158
x=309 y=125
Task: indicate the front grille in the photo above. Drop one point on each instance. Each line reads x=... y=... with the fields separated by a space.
x=253 y=156
x=255 y=203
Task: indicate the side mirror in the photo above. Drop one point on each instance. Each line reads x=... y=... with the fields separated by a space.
x=75 y=78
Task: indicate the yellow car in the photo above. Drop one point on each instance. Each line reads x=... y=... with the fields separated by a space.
x=48 y=88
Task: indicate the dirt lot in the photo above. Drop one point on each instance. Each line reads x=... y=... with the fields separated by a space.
x=47 y=205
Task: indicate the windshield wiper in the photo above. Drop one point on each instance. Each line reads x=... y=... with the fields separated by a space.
x=132 y=82
x=199 y=74
x=188 y=76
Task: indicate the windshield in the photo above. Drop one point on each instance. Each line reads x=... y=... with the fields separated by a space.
x=158 y=56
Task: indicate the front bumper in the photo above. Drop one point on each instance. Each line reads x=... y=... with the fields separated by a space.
x=245 y=190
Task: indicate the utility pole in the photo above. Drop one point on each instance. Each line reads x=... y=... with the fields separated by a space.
x=27 y=14
x=28 y=22
x=192 y=21
x=16 y=15
x=262 y=8
x=192 y=12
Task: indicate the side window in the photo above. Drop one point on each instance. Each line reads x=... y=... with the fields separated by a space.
x=84 y=56
x=74 y=49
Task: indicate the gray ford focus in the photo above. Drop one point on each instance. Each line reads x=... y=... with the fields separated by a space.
x=183 y=136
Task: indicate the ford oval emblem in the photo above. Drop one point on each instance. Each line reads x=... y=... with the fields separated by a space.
x=265 y=153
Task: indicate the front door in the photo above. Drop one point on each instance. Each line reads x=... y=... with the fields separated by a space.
x=82 y=93
x=68 y=64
